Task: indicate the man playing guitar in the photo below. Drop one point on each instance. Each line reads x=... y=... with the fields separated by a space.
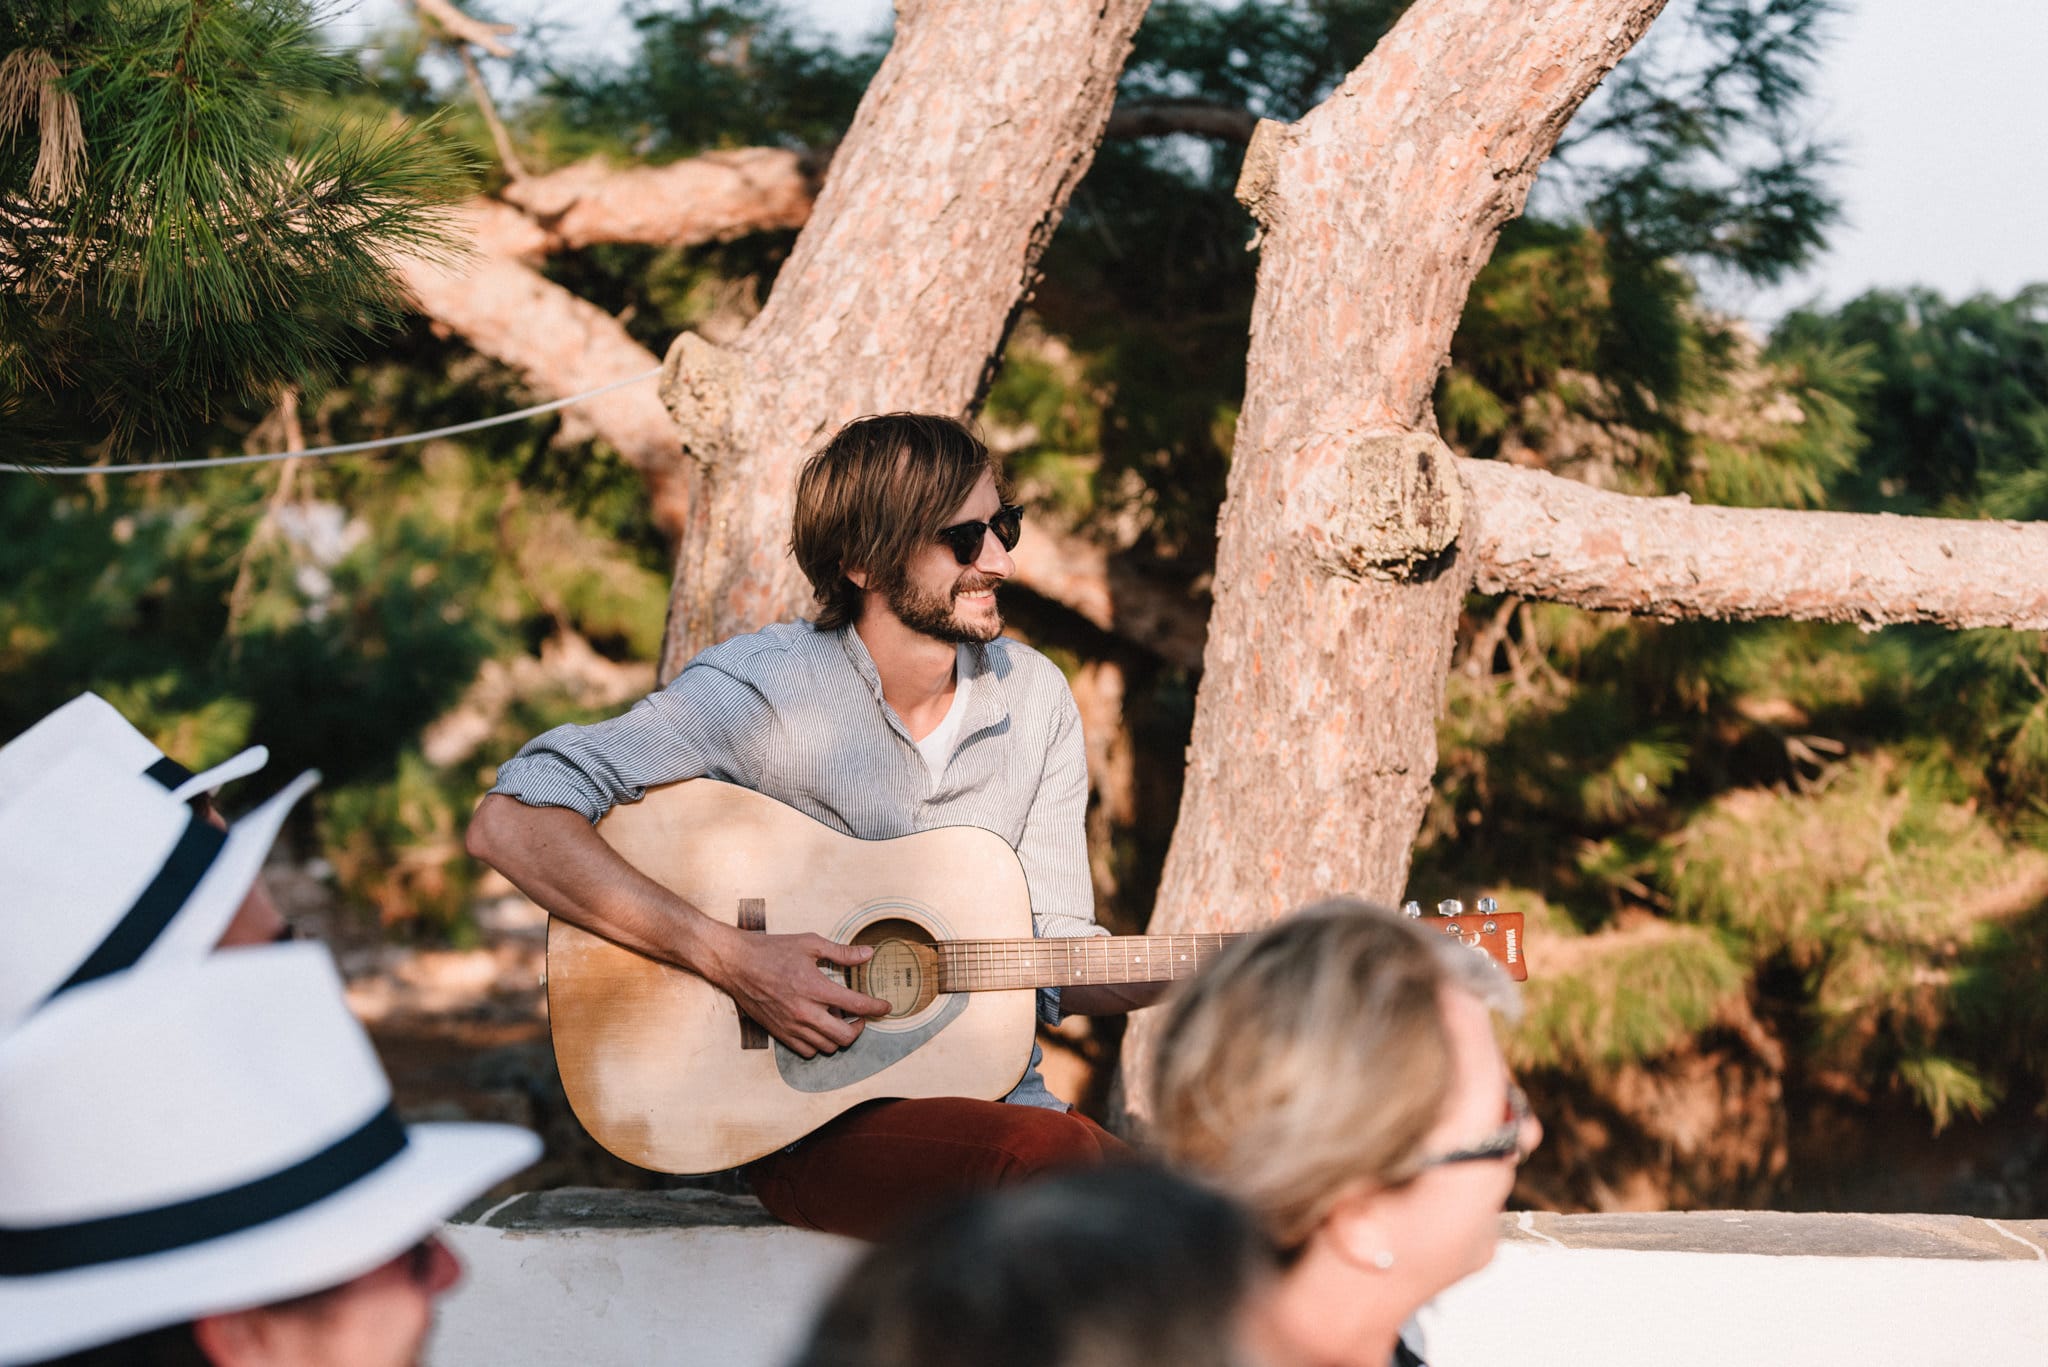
x=900 y=708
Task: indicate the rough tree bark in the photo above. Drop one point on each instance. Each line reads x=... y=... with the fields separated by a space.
x=921 y=247
x=1339 y=574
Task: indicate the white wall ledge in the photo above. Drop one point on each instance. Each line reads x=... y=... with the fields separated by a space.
x=617 y=1277
x=1780 y=1234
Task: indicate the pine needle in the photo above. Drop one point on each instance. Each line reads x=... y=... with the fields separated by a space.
x=22 y=73
x=31 y=78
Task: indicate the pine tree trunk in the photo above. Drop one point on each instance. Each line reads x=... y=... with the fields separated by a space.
x=1339 y=576
x=923 y=243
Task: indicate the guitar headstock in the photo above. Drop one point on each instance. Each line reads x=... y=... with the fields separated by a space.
x=1486 y=928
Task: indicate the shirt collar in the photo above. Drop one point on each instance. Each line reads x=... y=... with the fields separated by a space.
x=987 y=704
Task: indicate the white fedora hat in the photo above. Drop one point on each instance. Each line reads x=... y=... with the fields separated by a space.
x=205 y=1138
x=89 y=721
x=101 y=869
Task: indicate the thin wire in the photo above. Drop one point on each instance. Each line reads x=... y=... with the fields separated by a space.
x=343 y=449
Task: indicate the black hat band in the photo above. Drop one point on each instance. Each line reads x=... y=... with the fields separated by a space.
x=139 y=927
x=37 y=1250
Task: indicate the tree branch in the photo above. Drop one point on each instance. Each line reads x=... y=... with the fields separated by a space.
x=559 y=343
x=489 y=37
x=501 y=138
x=1202 y=118
x=1536 y=535
x=712 y=198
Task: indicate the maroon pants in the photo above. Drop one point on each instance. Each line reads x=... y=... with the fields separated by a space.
x=881 y=1162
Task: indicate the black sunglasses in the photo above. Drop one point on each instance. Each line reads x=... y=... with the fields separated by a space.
x=1505 y=1142
x=964 y=538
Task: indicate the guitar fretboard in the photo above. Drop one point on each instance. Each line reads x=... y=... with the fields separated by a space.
x=997 y=965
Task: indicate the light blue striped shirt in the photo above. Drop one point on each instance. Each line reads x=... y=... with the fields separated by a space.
x=798 y=714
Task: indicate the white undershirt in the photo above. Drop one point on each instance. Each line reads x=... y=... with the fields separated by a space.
x=937 y=748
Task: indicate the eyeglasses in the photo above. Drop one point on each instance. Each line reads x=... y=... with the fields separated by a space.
x=964 y=539
x=1505 y=1142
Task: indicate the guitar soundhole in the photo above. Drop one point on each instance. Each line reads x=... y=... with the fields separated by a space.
x=904 y=971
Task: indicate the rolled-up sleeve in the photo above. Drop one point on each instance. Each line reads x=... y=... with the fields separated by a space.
x=1054 y=847
x=706 y=724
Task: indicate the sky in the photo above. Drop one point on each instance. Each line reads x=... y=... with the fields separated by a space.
x=1938 y=110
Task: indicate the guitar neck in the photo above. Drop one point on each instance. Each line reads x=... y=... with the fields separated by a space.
x=1005 y=965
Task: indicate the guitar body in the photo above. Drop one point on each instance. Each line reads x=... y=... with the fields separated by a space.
x=661 y=1068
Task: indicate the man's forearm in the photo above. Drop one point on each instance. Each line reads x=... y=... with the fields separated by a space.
x=554 y=856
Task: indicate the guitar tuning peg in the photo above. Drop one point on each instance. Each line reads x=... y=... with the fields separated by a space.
x=1488 y=906
x=1412 y=910
x=1450 y=906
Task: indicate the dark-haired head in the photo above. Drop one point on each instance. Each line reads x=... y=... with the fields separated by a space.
x=878 y=492
x=1120 y=1265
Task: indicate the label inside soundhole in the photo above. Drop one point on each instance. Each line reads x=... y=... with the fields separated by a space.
x=897 y=977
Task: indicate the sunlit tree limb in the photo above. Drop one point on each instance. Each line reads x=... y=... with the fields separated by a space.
x=1543 y=537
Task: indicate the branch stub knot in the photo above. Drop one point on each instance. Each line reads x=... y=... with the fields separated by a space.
x=1261 y=169
x=699 y=381
x=1385 y=509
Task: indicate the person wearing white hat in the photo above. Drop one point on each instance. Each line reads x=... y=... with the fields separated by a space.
x=201 y=1164
x=101 y=870
x=90 y=722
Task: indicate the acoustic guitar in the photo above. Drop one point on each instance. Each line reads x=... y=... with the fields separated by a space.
x=665 y=1071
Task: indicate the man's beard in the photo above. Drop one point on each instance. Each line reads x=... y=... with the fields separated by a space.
x=933 y=615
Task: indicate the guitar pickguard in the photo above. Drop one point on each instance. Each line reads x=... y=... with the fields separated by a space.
x=873 y=1051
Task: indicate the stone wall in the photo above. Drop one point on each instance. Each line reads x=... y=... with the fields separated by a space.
x=626 y=1279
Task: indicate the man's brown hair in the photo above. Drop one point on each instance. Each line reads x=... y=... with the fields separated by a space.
x=878 y=493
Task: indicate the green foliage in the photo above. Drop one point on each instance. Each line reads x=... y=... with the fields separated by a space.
x=721 y=73
x=395 y=838
x=1638 y=1000
x=1820 y=813
x=1543 y=307
x=1783 y=433
x=1873 y=856
x=1694 y=149
x=1958 y=415
x=1276 y=60
x=2000 y=1013
x=397 y=843
x=1946 y=1088
x=1040 y=395
x=1577 y=357
x=208 y=248
x=1993 y=701
x=376 y=597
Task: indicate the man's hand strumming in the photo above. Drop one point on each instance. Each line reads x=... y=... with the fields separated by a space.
x=775 y=980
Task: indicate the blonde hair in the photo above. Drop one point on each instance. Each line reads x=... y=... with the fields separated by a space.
x=1311 y=1056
